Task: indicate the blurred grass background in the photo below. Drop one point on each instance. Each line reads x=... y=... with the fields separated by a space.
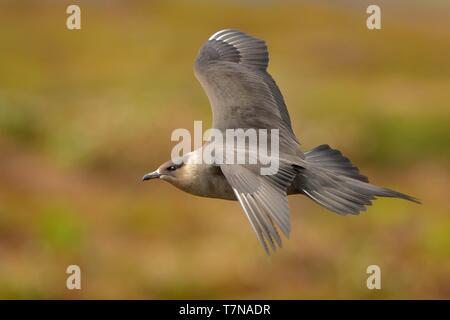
x=84 y=114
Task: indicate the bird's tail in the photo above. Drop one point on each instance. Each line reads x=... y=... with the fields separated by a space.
x=330 y=179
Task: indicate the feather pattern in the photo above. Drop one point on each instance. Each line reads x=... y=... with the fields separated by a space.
x=231 y=67
x=264 y=200
x=330 y=179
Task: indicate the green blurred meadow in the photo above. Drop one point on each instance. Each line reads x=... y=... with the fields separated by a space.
x=84 y=114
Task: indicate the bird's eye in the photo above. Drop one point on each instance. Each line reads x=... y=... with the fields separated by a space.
x=171 y=168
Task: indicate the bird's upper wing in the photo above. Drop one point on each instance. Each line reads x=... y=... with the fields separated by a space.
x=231 y=67
x=263 y=199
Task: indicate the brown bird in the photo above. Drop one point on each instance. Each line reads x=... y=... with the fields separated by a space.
x=232 y=69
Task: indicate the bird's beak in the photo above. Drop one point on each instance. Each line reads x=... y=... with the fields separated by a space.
x=151 y=175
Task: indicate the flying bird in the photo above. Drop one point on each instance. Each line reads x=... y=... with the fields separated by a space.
x=232 y=69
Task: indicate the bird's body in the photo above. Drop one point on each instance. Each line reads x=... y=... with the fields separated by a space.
x=203 y=179
x=231 y=67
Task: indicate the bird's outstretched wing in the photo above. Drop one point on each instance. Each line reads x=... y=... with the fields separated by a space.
x=263 y=199
x=231 y=67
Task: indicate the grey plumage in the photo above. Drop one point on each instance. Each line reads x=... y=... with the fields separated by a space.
x=232 y=69
x=331 y=180
x=241 y=92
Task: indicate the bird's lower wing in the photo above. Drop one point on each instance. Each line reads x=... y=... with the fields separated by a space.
x=264 y=200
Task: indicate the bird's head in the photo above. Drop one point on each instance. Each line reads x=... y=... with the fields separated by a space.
x=169 y=171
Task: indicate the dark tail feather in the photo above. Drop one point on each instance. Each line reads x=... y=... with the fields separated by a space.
x=334 y=182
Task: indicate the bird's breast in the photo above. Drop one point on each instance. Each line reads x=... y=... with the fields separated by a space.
x=207 y=181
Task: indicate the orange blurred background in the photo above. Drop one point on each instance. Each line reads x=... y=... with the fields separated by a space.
x=84 y=114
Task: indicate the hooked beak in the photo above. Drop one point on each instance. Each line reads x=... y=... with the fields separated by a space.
x=151 y=175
